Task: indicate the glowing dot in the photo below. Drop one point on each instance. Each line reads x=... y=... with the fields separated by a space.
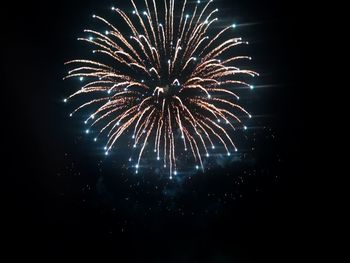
x=91 y=38
x=87 y=131
x=93 y=16
x=134 y=145
x=160 y=25
x=65 y=100
x=250 y=116
x=106 y=153
x=81 y=78
x=129 y=159
x=145 y=13
x=252 y=87
x=175 y=173
x=95 y=140
x=236 y=150
x=213 y=147
x=228 y=154
x=158 y=158
x=92 y=116
x=133 y=136
x=137 y=171
x=170 y=177
x=198 y=2
x=169 y=61
x=137 y=166
x=134 y=12
x=234 y=26
x=216 y=9
x=105 y=148
x=207 y=154
x=164 y=166
x=219 y=120
x=237 y=98
x=227 y=122
x=85 y=122
x=113 y=8
x=143 y=81
x=197 y=167
x=70 y=115
x=109 y=91
x=245 y=127
x=155 y=150
x=107 y=32
x=209 y=96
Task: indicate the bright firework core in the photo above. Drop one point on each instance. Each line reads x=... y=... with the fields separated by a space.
x=171 y=86
x=169 y=91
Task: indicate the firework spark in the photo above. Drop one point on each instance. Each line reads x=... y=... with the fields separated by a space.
x=165 y=84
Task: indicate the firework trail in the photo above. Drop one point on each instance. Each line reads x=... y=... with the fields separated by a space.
x=164 y=85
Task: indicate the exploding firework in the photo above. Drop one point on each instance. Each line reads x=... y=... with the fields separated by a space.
x=164 y=86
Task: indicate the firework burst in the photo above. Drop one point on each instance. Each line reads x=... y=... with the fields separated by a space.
x=164 y=85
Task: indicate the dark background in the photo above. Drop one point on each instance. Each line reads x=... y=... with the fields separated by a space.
x=63 y=197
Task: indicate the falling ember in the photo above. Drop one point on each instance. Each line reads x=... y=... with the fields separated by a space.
x=167 y=87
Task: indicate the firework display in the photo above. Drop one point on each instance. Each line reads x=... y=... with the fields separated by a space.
x=168 y=84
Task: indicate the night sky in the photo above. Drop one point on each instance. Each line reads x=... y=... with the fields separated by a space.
x=65 y=197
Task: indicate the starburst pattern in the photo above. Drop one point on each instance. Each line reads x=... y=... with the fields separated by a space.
x=165 y=85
